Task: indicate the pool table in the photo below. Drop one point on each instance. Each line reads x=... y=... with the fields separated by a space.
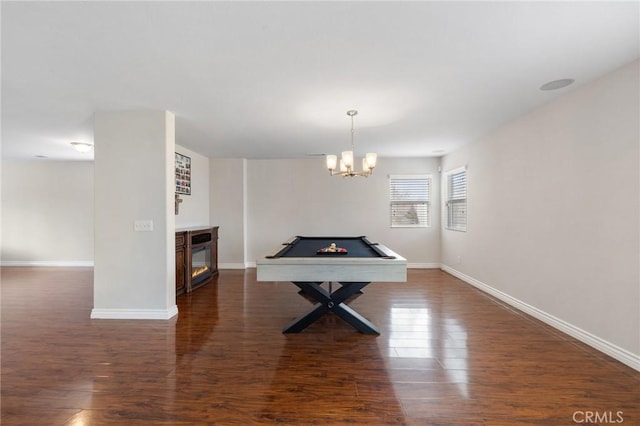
x=355 y=263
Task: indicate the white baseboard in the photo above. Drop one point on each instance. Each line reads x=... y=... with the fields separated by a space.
x=234 y=265
x=423 y=265
x=153 y=314
x=54 y=263
x=608 y=348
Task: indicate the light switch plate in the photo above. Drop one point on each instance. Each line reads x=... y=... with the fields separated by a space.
x=143 y=225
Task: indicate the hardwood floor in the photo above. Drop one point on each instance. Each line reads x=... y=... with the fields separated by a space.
x=447 y=355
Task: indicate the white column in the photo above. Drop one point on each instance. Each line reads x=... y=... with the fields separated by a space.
x=134 y=274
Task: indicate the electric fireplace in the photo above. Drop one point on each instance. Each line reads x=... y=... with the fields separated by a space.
x=196 y=257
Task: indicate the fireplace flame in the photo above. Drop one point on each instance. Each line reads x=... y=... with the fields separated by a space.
x=199 y=271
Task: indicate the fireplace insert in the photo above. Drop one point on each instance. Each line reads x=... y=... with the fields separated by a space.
x=200 y=264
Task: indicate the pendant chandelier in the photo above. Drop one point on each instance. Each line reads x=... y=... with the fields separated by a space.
x=347 y=162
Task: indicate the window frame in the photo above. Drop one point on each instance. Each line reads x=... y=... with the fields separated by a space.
x=428 y=178
x=448 y=220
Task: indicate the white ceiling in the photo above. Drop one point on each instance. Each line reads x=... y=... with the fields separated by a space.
x=275 y=79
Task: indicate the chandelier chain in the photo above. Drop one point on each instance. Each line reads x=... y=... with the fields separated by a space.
x=352 y=132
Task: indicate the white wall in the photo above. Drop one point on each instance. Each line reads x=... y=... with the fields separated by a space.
x=52 y=204
x=47 y=212
x=228 y=206
x=134 y=272
x=299 y=197
x=194 y=208
x=553 y=213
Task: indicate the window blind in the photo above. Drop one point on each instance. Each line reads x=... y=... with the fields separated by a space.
x=457 y=200
x=410 y=200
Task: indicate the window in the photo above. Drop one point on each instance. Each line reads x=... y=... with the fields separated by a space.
x=409 y=196
x=456 y=199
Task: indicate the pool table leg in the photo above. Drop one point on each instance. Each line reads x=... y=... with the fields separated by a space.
x=356 y=320
x=333 y=302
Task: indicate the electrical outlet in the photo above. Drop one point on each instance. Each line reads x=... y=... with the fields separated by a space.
x=143 y=225
x=459 y=260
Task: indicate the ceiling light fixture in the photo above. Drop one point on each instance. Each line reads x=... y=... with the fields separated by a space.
x=82 y=147
x=557 y=84
x=347 y=165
